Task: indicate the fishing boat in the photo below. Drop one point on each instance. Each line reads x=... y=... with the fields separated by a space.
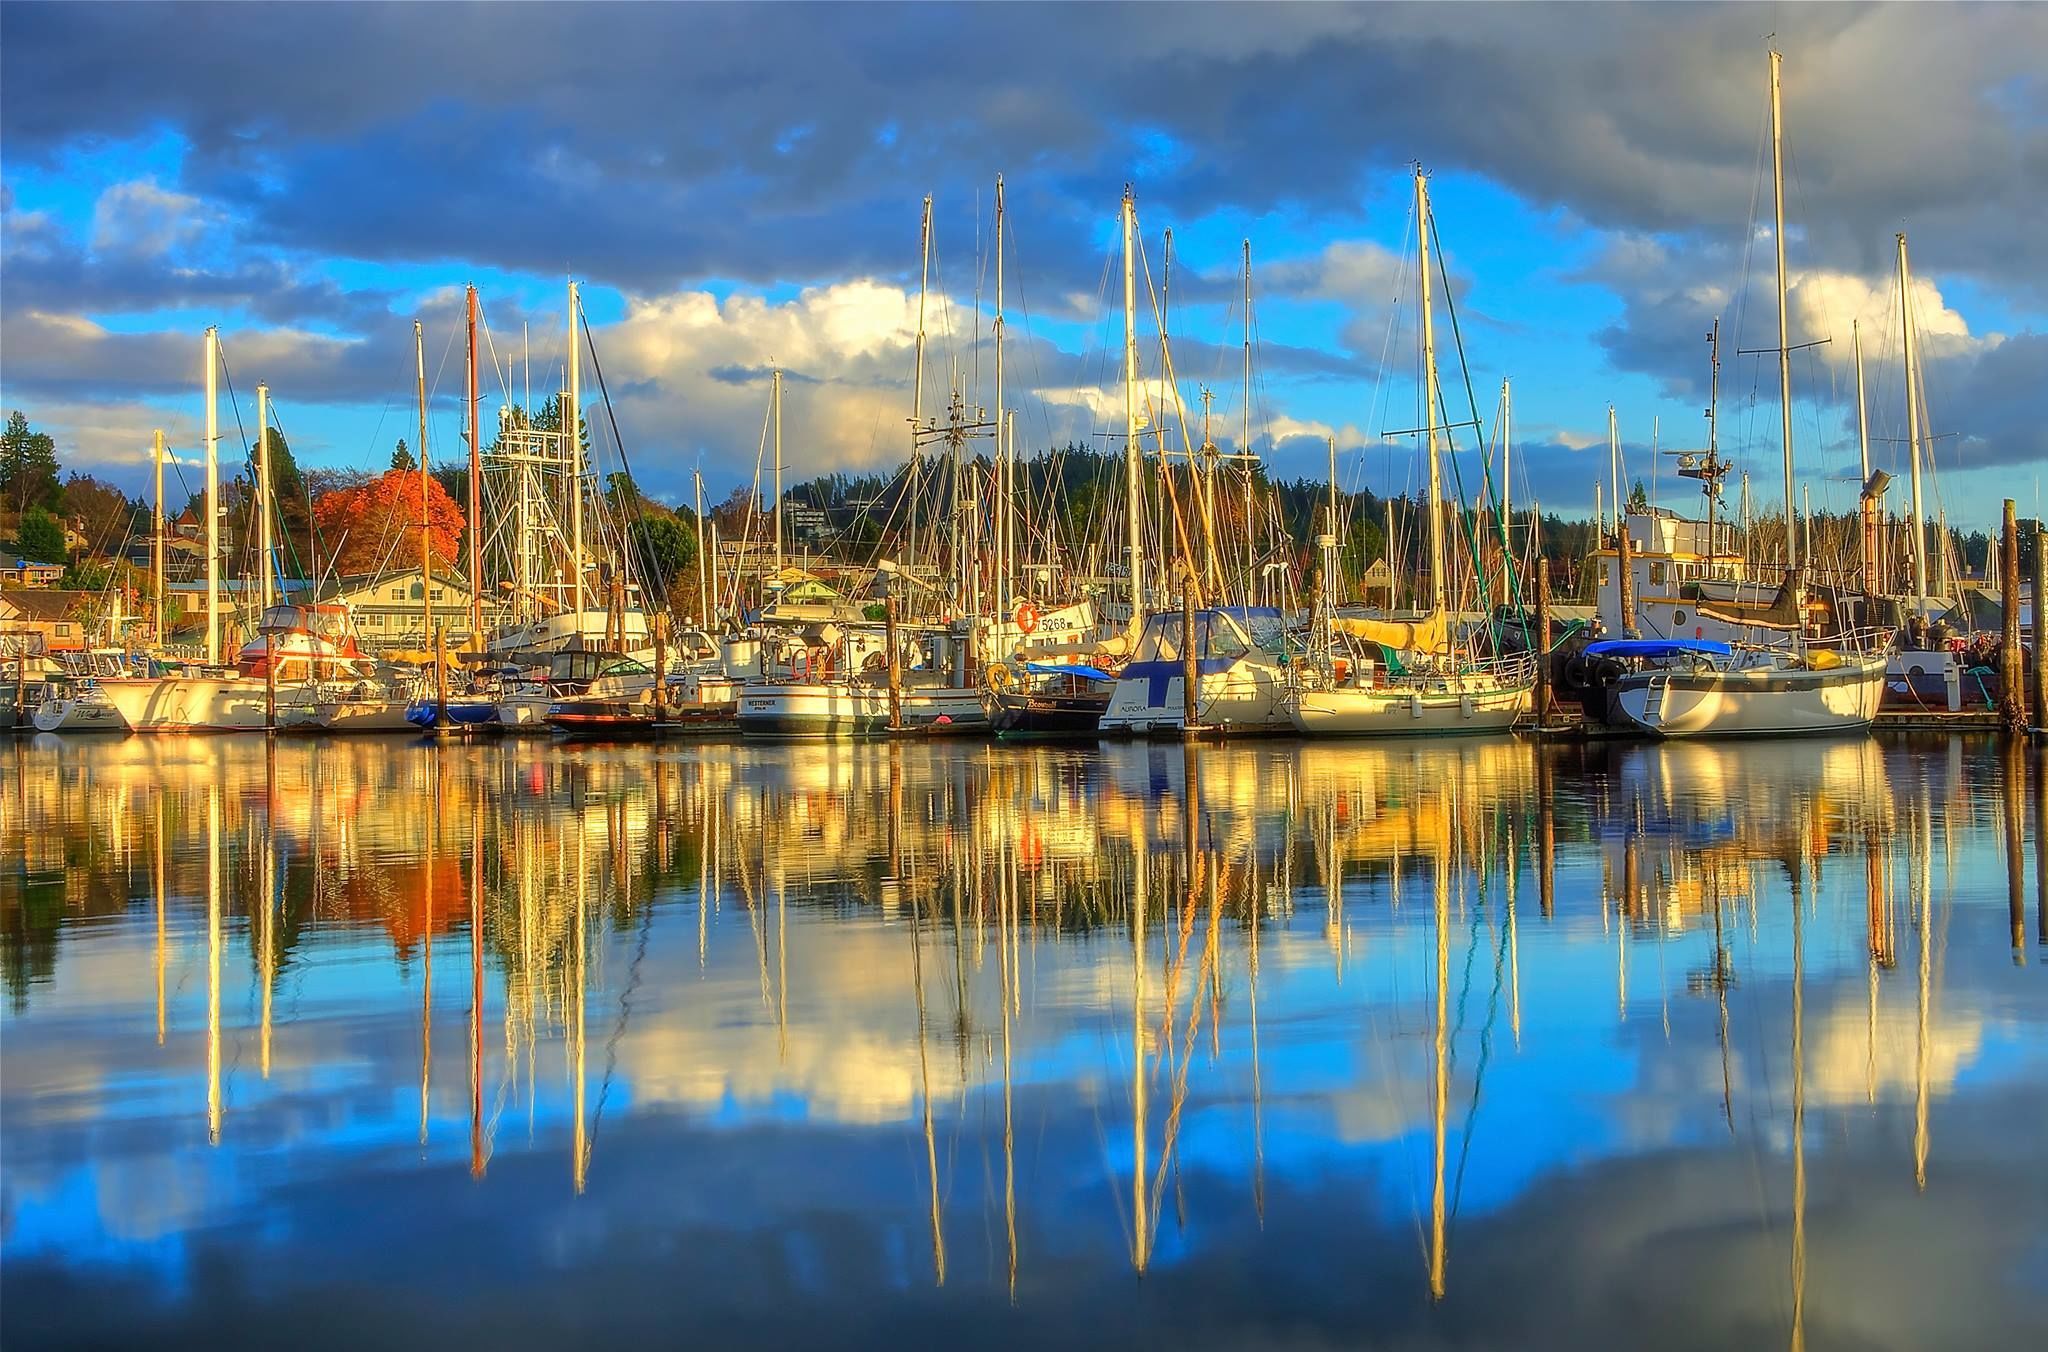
x=1047 y=700
x=1704 y=688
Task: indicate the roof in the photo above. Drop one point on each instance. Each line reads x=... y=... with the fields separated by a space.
x=44 y=604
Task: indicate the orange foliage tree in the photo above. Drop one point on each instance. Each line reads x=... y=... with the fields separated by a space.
x=377 y=525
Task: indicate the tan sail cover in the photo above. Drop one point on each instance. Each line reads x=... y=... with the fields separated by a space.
x=1430 y=634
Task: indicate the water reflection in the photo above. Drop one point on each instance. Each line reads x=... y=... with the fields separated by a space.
x=843 y=1045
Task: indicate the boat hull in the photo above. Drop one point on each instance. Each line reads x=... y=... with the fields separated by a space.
x=1760 y=702
x=70 y=714
x=1020 y=714
x=798 y=709
x=191 y=704
x=1231 y=695
x=1407 y=711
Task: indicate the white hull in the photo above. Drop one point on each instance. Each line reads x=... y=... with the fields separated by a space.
x=1437 y=708
x=1246 y=695
x=1753 y=702
x=368 y=714
x=558 y=633
x=191 y=704
x=76 y=714
x=840 y=709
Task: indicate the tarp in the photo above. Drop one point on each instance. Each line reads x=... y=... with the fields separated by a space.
x=1068 y=669
x=1430 y=634
x=1656 y=647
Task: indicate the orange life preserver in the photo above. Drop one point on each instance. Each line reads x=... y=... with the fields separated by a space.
x=1027 y=617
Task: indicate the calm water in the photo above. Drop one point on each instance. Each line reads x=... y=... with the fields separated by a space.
x=370 y=1044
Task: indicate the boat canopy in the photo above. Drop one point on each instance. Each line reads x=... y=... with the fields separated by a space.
x=1220 y=632
x=1068 y=669
x=1429 y=634
x=1657 y=647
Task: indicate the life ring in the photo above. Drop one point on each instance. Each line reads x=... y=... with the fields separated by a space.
x=999 y=676
x=1027 y=617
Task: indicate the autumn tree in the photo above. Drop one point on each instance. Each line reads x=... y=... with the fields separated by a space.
x=104 y=514
x=377 y=525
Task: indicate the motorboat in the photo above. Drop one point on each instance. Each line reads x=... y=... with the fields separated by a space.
x=1707 y=688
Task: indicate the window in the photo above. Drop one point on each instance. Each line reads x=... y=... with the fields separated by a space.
x=398 y=593
x=1656 y=574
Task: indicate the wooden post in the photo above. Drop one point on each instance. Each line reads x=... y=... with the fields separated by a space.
x=270 y=682
x=1190 y=664
x=2041 y=632
x=1627 y=563
x=660 y=660
x=2012 y=705
x=441 y=679
x=1542 y=643
x=895 y=661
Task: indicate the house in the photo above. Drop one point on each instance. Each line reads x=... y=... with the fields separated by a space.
x=184 y=556
x=388 y=607
x=55 y=618
x=16 y=571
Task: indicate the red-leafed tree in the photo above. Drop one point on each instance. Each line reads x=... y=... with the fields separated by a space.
x=376 y=525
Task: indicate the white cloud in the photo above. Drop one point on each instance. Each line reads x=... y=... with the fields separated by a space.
x=141 y=219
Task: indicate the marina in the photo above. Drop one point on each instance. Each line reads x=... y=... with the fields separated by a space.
x=1023 y=676
x=850 y=1044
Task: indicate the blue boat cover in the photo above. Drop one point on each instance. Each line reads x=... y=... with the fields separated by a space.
x=1068 y=669
x=1655 y=647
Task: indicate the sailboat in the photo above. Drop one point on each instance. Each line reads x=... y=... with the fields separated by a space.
x=1232 y=653
x=1683 y=687
x=1395 y=677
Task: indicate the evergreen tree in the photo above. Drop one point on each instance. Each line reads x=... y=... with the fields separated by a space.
x=401 y=457
x=28 y=467
x=40 y=537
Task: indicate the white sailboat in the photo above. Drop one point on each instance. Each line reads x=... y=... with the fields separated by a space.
x=1400 y=678
x=1695 y=688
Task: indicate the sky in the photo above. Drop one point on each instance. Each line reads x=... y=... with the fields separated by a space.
x=740 y=187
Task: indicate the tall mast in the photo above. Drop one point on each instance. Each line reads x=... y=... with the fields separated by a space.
x=1244 y=445
x=1614 y=471
x=1436 y=485
x=1714 y=467
x=263 y=522
x=1913 y=429
x=419 y=351
x=572 y=428
x=1862 y=416
x=924 y=283
x=1784 y=326
x=1507 y=446
x=212 y=496
x=476 y=492
x=775 y=399
x=1134 y=497
x=703 y=574
x=1004 y=563
x=157 y=539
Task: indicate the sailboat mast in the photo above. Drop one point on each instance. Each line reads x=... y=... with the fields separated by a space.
x=1436 y=486
x=263 y=508
x=1244 y=445
x=1913 y=428
x=704 y=606
x=1614 y=471
x=1134 y=497
x=1784 y=325
x=924 y=283
x=419 y=349
x=1004 y=540
x=775 y=399
x=212 y=496
x=1507 y=448
x=157 y=539
x=572 y=430
x=476 y=491
x=1862 y=416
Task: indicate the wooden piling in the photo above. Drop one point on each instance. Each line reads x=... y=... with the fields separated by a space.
x=1627 y=564
x=895 y=661
x=1190 y=664
x=441 y=680
x=2041 y=632
x=270 y=682
x=1542 y=643
x=660 y=661
x=2011 y=695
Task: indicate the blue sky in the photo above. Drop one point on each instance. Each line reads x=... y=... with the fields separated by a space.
x=738 y=187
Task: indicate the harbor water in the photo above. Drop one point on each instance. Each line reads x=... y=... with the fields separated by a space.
x=516 y=1044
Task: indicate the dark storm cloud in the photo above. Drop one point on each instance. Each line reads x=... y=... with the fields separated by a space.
x=675 y=141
